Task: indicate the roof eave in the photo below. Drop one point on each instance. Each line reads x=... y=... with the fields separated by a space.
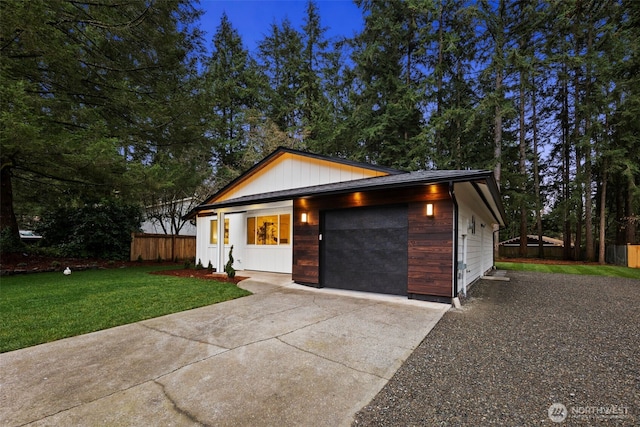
x=278 y=198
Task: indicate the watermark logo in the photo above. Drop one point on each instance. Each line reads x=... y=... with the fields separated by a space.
x=558 y=412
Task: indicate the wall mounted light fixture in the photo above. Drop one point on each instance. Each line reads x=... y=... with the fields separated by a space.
x=430 y=209
x=304 y=218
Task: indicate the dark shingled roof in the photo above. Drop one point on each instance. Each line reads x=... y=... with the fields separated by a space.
x=390 y=181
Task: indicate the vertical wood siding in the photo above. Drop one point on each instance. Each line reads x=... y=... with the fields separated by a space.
x=430 y=249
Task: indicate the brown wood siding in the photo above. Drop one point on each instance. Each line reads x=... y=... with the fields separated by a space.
x=306 y=248
x=431 y=250
x=430 y=239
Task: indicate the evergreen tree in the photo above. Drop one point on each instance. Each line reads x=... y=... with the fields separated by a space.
x=281 y=59
x=386 y=111
x=85 y=88
x=233 y=91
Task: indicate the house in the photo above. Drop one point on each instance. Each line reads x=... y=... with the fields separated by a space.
x=336 y=223
x=167 y=217
x=533 y=241
x=552 y=248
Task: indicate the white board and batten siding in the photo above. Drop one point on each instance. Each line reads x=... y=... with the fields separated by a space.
x=294 y=171
x=274 y=258
x=287 y=171
x=475 y=236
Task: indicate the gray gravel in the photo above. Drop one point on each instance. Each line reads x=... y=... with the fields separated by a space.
x=514 y=349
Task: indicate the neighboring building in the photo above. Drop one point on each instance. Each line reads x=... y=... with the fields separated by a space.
x=342 y=224
x=533 y=241
x=552 y=248
x=165 y=218
x=29 y=236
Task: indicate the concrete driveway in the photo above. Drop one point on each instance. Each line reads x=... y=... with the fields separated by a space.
x=287 y=355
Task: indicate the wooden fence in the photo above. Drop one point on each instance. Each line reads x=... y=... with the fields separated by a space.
x=633 y=256
x=550 y=252
x=150 y=247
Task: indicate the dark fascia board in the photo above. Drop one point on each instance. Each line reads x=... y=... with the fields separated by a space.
x=366 y=184
x=281 y=150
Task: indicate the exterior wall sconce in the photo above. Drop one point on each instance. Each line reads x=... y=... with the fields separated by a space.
x=430 y=209
x=304 y=218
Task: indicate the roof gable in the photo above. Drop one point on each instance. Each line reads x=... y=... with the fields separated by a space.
x=482 y=180
x=287 y=169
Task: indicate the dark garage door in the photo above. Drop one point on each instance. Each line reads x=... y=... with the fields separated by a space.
x=365 y=249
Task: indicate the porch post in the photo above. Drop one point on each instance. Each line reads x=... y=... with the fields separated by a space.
x=220 y=242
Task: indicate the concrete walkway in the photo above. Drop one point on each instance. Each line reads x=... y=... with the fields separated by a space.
x=287 y=355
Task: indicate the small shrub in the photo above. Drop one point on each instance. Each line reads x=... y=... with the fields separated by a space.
x=140 y=258
x=159 y=259
x=187 y=264
x=10 y=243
x=199 y=265
x=210 y=267
x=228 y=268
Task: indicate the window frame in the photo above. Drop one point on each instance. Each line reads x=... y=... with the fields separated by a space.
x=254 y=241
x=213 y=231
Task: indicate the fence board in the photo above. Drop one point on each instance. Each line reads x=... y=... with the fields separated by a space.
x=633 y=256
x=550 y=252
x=150 y=247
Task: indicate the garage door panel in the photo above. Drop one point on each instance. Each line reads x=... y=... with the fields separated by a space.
x=365 y=249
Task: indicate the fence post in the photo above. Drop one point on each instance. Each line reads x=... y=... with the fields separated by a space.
x=131 y=246
x=173 y=247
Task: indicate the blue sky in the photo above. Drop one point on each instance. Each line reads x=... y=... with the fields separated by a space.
x=252 y=18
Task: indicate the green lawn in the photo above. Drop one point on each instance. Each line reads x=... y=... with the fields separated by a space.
x=43 y=307
x=593 y=270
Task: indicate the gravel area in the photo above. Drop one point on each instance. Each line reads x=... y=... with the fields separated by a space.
x=514 y=349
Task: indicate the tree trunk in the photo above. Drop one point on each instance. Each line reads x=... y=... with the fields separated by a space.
x=536 y=177
x=603 y=212
x=497 y=130
x=522 y=169
x=588 y=219
x=630 y=224
x=8 y=222
x=566 y=163
x=439 y=77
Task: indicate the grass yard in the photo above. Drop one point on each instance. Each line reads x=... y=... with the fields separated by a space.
x=44 y=307
x=592 y=270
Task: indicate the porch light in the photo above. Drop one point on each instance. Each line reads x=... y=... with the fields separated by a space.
x=429 y=209
x=304 y=218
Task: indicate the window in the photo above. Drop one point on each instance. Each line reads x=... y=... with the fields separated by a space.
x=268 y=230
x=213 y=238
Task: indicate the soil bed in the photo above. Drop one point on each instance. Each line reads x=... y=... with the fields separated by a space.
x=26 y=263
x=201 y=274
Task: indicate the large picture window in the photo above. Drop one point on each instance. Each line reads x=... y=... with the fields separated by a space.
x=269 y=229
x=213 y=237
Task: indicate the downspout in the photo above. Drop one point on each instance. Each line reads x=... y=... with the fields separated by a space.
x=455 y=239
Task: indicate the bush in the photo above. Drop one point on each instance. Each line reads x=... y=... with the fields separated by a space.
x=9 y=243
x=228 y=268
x=102 y=230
